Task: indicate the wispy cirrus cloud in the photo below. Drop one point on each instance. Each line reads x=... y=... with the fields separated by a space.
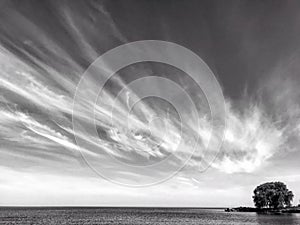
x=38 y=79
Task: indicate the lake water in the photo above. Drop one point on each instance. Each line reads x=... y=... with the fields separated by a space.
x=132 y=216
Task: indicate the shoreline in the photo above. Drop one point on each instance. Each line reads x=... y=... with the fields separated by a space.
x=294 y=209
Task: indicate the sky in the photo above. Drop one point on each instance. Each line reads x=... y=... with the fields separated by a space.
x=45 y=48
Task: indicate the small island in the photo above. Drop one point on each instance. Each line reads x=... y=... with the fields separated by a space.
x=271 y=197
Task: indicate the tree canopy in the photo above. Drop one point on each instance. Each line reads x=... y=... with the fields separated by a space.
x=272 y=195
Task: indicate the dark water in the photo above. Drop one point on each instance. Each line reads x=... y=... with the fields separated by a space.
x=133 y=216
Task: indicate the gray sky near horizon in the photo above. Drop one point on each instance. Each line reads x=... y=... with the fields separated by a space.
x=251 y=46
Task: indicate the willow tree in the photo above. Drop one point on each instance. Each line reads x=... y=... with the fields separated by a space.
x=273 y=195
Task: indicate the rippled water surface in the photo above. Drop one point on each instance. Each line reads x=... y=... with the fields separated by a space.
x=133 y=216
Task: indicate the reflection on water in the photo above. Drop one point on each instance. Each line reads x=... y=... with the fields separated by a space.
x=285 y=219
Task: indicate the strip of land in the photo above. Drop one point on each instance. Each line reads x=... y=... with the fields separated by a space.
x=295 y=209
